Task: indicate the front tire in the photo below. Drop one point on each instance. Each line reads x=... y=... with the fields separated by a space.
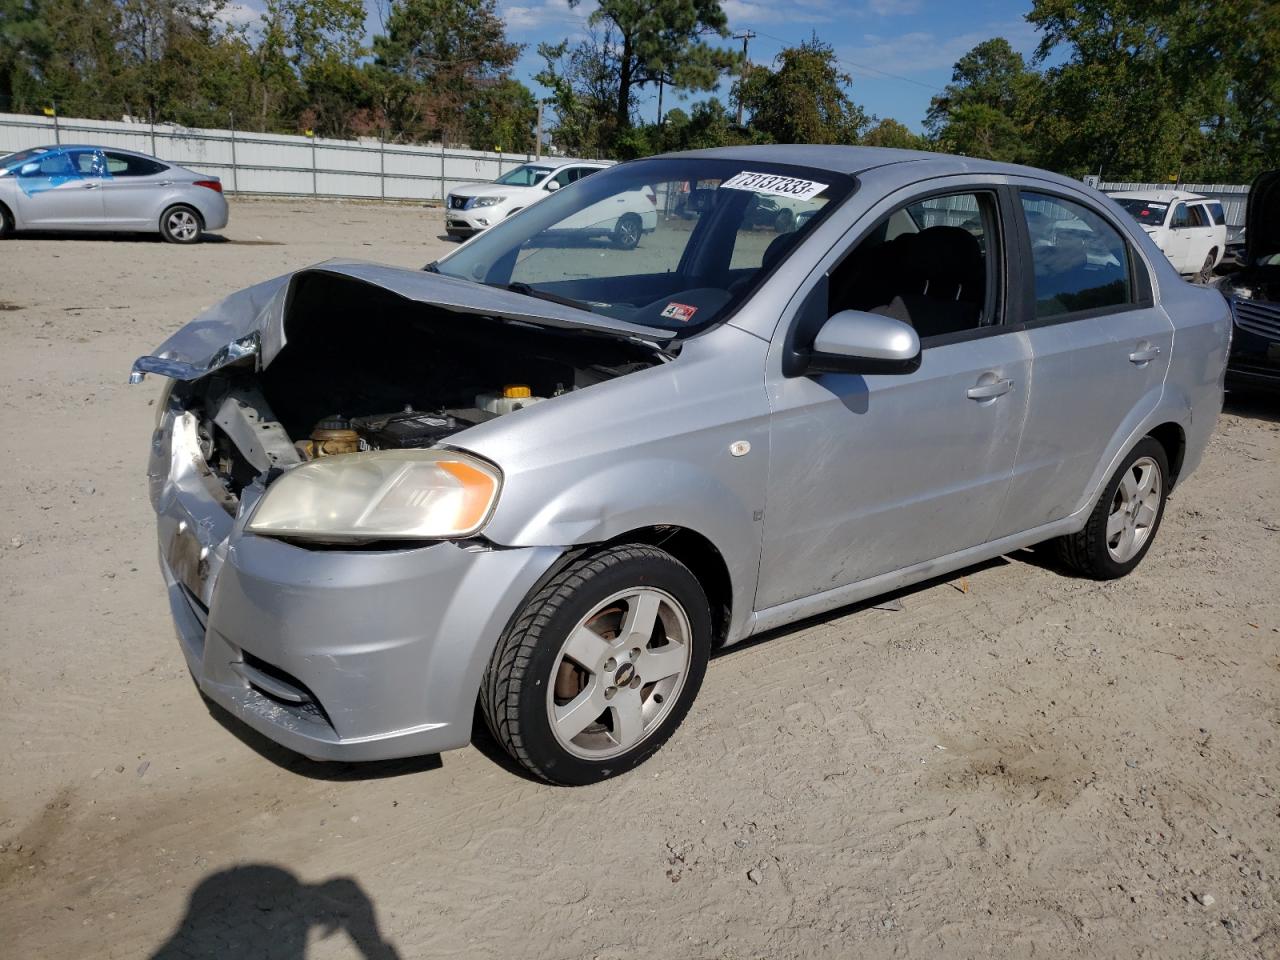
x=1124 y=522
x=600 y=666
x=181 y=224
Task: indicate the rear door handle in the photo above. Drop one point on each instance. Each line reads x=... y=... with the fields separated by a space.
x=1144 y=354
x=90 y=185
x=989 y=391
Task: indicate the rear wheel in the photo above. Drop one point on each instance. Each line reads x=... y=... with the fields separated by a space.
x=600 y=666
x=626 y=233
x=1124 y=523
x=1206 y=271
x=181 y=224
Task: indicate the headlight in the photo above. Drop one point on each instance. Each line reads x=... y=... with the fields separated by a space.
x=488 y=201
x=382 y=495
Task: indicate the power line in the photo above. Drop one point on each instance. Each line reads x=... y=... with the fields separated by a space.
x=746 y=37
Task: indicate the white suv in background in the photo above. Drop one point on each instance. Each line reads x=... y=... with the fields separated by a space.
x=1189 y=228
x=474 y=207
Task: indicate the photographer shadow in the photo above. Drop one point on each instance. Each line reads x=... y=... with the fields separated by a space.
x=264 y=911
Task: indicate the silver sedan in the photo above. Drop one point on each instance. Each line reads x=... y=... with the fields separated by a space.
x=550 y=475
x=87 y=188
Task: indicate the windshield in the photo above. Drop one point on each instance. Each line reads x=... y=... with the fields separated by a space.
x=675 y=243
x=1147 y=212
x=525 y=176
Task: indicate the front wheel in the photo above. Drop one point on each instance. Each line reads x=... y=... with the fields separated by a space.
x=6 y=222
x=600 y=666
x=626 y=233
x=1122 y=526
x=181 y=224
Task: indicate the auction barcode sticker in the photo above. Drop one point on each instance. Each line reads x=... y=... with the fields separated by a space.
x=775 y=185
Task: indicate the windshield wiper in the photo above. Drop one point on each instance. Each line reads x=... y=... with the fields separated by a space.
x=528 y=291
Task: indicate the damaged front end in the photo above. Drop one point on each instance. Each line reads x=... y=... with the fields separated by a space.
x=350 y=358
x=320 y=534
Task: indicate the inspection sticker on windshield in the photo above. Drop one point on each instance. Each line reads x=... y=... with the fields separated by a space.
x=774 y=185
x=679 y=311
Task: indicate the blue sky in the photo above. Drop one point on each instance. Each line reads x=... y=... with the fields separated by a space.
x=899 y=52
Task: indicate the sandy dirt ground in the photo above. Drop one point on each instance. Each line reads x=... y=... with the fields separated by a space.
x=1039 y=766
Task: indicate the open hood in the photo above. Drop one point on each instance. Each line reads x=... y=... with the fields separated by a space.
x=1262 y=217
x=252 y=321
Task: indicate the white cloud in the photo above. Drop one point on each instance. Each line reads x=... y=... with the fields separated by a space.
x=922 y=51
x=892 y=8
x=746 y=13
x=553 y=15
x=238 y=14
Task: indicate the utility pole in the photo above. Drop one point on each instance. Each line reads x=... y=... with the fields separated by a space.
x=746 y=37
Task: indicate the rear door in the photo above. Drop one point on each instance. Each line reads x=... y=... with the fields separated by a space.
x=61 y=190
x=134 y=190
x=1100 y=349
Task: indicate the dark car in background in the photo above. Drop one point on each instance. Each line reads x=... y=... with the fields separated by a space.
x=1254 y=292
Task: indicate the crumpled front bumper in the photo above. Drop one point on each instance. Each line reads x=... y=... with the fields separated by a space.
x=337 y=654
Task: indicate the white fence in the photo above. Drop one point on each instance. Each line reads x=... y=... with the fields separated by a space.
x=269 y=163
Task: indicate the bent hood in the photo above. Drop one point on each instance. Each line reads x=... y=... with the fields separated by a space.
x=1262 y=217
x=252 y=321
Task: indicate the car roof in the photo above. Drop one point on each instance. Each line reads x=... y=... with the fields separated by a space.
x=1159 y=196
x=555 y=163
x=856 y=160
x=95 y=146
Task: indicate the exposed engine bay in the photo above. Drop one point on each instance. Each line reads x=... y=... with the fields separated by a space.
x=364 y=369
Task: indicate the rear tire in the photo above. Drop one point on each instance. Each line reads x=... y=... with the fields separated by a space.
x=181 y=224
x=627 y=231
x=566 y=691
x=1123 y=524
x=1206 y=271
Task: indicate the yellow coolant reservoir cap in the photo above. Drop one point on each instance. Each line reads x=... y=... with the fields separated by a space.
x=516 y=391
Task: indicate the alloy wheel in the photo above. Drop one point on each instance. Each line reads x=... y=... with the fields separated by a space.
x=619 y=673
x=183 y=225
x=1134 y=510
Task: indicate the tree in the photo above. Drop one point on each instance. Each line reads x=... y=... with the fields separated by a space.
x=24 y=44
x=583 y=80
x=988 y=109
x=890 y=133
x=661 y=40
x=501 y=117
x=434 y=57
x=802 y=100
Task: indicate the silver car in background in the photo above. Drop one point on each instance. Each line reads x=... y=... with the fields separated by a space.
x=550 y=475
x=87 y=188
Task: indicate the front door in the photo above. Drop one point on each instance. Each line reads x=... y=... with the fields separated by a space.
x=872 y=474
x=62 y=190
x=1100 y=349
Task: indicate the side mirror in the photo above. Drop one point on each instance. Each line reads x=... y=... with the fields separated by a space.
x=29 y=169
x=553 y=185
x=855 y=342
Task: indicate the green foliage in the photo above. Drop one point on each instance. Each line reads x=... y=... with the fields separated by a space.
x=990 y=107
x=803 y=100
x=661 y=41
x=890 y=133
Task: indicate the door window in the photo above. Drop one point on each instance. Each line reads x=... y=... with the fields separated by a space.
x=1081 y=262
x=571 y=174
x=1181 y=217
x=930 y=263
x=1199 y=217
x=125 y=165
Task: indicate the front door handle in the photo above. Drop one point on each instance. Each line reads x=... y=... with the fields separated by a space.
x=1144 y=354
x=989 y=391
x=90 y=185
